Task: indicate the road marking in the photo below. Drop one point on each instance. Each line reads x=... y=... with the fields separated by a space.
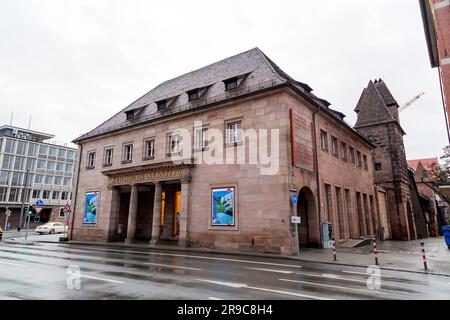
x=331 y=286
x=201 y=257
x=244 y=286
x=12 y=264
x=365 y=274
x=329 y=276
x=214 y=298
x=271 y=270
x=101 y=279
x=171 y=266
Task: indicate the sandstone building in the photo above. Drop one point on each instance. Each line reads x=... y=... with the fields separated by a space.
x=135 y=181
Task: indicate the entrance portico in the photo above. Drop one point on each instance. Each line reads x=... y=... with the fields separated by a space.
x=150 y=203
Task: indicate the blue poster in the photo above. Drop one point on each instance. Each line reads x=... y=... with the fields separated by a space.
x=90 y=209
x=223 y=207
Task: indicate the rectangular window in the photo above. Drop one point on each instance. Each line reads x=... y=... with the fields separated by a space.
x=19 y=163
x=234 y=132
x=358 y=158
x=334 y=146
x=64 y=195
x=60 y=166
x=173 y=143
x=108 y=157
x=149 y=151
x=57 y=181
x=91 y=160
x=377 y=166
x=128 y=153
x=43 y=150
x=10 y=146
x=48 y=180
x=352 y=155
x=55 y=195
x=13 y=195
x=193 y=95
x=61 y=212
x=366 y=165
x=38 y=178
x=344 y=151
x=61 y=153
x=3 y=194
x=16 y=179
x=223 y=207
x=323 y=140
x=71 y=154
x=32 y=149
x=51 y=165
x=67 y=182
x=21 y=147
x=40 y=164
x=69 y=168
x=230 y=84
x=4 y=177
x=46 y=194
x=52 y=152
x=30 y=164
x=36 y=194
x=201 y=138
x=161 y=105
x=7 y=161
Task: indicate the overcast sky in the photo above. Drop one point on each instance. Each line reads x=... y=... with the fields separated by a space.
x=73 y=64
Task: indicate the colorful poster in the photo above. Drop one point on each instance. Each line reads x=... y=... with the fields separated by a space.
x=90 y=209
x=223 y=207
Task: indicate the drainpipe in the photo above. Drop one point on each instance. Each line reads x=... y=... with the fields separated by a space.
x=75 y=192
x=316 y=167
x=444 y=104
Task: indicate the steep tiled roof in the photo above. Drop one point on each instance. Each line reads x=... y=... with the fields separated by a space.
x=376 y=105
x=426 y=163
x=258 y=70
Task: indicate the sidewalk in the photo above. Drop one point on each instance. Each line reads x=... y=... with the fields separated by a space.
x=392 y=255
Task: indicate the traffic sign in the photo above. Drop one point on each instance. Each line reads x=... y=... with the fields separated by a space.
x=67 y=208
x=39 y=203
x=8 y=213
x=296 y=220
x=38 y=209
x=294 y=198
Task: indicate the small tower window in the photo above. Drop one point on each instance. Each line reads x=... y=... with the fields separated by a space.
x=230 y=84
x=130 y=115
x=193 y=95
x=161 y=105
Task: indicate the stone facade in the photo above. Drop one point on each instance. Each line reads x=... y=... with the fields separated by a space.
x=159 y=200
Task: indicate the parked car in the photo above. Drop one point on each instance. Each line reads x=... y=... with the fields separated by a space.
x=51 y=227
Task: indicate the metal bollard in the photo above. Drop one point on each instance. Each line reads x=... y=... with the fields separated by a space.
x=375 y=252
x=425 y=265
x=334 y=249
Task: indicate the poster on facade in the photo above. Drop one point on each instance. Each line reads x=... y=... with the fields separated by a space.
x=90 y=209
x=223 y=209
x=301 y=142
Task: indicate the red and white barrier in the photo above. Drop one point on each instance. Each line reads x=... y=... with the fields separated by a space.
x=375 y=252
x=334 y=249
x=425 y=265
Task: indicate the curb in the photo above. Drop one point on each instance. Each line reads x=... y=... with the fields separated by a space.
x=238 y=253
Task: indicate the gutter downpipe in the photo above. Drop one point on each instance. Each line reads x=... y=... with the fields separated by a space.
x=75 y=193
x=316 y=167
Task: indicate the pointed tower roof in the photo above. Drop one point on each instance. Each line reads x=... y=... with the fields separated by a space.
x=376 y=105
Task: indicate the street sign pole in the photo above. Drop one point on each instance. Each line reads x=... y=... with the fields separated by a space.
x=7 y=213
x=294 y=200
x=25 y=185
x=28 y=224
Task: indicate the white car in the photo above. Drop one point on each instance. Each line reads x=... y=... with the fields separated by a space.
x=51 y=227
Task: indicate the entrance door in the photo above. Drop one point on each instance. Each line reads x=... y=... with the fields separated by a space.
x=306 y=210
x=384 y=219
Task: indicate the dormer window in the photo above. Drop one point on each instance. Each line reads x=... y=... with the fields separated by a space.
x=193 y=95
x=230 y=84
x=130 y=114
x=162 y=104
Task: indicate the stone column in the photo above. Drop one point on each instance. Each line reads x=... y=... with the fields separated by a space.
x=156 y=223
x=114 y=213
x=184 y=212
x=132 y=214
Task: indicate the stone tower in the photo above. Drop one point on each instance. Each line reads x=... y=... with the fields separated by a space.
x=378 y=121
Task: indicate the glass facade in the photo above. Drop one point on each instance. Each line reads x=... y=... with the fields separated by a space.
x=51 y=170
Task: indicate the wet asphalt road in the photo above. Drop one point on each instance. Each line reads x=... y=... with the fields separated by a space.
x=41 y=272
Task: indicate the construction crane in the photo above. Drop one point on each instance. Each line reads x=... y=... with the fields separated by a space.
x=410 y=102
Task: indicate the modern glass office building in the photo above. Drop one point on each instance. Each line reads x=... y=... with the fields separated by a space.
x=50 y=168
